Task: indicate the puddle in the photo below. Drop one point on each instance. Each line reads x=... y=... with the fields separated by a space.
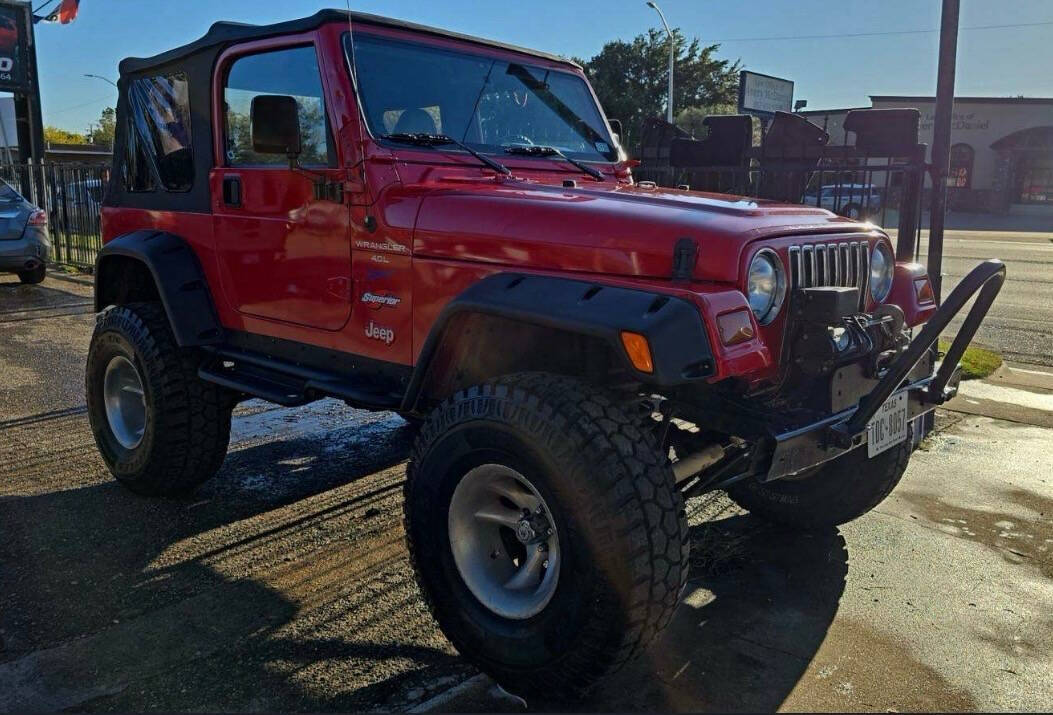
x=1018 y=540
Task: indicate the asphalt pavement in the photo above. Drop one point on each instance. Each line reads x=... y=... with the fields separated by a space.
x=283 y=584
x=1020 y=324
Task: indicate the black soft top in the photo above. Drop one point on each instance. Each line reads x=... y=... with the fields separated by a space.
x=222 y=33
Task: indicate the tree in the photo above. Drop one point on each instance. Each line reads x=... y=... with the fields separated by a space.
x=54 y=135
x=630 y=78
x=690 y=118
x=103 y=133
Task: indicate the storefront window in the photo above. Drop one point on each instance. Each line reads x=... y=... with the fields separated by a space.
x=961 y=174
x=1036 y=178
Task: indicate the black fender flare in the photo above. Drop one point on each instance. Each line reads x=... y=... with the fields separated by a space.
x=178 y=277
x=680 y=347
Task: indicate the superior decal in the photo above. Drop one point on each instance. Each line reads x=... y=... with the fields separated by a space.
x=379 y=332
x=376 y=301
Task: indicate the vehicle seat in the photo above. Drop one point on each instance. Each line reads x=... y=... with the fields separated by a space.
x=415 y=121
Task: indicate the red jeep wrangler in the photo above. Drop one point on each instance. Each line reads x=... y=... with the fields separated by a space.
x=408 y=219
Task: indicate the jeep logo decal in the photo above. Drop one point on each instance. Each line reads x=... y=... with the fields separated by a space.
x=379 y=332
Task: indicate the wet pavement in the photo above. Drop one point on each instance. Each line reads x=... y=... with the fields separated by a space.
x=283 y=584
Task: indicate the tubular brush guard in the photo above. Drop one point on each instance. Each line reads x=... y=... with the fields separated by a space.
x=807 y=446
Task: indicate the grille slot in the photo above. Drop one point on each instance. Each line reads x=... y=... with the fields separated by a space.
x=846 y=263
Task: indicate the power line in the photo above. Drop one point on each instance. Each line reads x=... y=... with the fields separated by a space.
x=78 y=106
x=879 y=34
x=41 y=6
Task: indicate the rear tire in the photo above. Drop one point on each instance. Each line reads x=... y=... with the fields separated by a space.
x=176 y=438
x=617 y=523
x=34 y=276
x=839 y=491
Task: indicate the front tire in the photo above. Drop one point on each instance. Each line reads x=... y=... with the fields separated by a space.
x=161 y=430
x=576 y=481
x=837 y=492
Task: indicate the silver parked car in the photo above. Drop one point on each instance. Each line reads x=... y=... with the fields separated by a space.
x=24 y=241
x=855 y=201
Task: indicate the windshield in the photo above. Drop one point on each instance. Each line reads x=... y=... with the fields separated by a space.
x=487 y=103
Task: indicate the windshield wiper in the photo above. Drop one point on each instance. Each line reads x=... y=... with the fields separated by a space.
x=433 y=140
x=553 y=151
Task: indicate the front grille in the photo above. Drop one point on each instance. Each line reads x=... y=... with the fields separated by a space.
x=831 y=264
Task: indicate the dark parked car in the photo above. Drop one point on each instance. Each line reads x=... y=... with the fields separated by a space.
x=24 y=241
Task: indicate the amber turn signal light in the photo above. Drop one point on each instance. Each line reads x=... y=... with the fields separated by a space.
x=923 y=289
x=735 y=327
x=638 y=350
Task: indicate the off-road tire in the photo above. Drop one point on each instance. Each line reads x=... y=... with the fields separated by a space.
x=188 y=419
x=34 y=276
x=623 y=530
x=838 y=492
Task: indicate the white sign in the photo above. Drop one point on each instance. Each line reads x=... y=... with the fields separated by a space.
x=761 y=93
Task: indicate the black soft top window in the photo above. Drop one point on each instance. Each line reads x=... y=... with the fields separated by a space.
x=158 y=147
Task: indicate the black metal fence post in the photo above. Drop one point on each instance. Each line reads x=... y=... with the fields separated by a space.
x=941 y=138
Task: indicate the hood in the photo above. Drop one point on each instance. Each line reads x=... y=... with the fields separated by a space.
x=621 y=230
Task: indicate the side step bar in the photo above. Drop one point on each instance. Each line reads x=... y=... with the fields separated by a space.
x=287 y=384
x=986 y=279
x=278 y=392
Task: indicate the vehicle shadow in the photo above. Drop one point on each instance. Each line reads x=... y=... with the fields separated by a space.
x=283 y=584
x=758 y=605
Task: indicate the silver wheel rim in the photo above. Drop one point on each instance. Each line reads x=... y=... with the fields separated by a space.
x=504 y=543
x=122 y=393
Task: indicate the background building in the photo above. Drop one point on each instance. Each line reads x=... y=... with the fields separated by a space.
x=1001 y=148
x=53 y=152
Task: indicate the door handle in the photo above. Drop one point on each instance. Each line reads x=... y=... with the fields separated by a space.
x=232 y=190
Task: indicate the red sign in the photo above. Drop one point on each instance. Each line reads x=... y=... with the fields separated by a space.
x=14 y=34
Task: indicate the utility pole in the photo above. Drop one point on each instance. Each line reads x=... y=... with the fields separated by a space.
x=941 y=138
x=672 y=56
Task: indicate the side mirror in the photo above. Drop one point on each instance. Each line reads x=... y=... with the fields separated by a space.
x=275 y=121
x=616 y=127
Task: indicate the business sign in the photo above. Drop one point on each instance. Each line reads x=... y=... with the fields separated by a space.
x=764 y=94
x=14 y=45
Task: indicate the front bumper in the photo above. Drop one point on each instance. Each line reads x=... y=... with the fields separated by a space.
x=802 y=447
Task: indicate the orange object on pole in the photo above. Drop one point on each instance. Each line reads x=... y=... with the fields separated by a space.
x=66 y=12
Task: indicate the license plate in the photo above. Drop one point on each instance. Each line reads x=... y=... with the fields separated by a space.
x=889 y=426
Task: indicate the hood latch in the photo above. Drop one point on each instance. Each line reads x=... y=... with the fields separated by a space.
x=685 y=253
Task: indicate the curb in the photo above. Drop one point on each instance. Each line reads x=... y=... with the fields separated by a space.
x=90 y=282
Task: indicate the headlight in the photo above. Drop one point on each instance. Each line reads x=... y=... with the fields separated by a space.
x=882 y=266
x=765 y=286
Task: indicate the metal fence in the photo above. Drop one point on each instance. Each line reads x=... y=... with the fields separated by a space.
x=877 y=178
x=884 y=191
x=72 y=196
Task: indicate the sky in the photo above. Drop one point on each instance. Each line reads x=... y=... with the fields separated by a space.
x=811 y=48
